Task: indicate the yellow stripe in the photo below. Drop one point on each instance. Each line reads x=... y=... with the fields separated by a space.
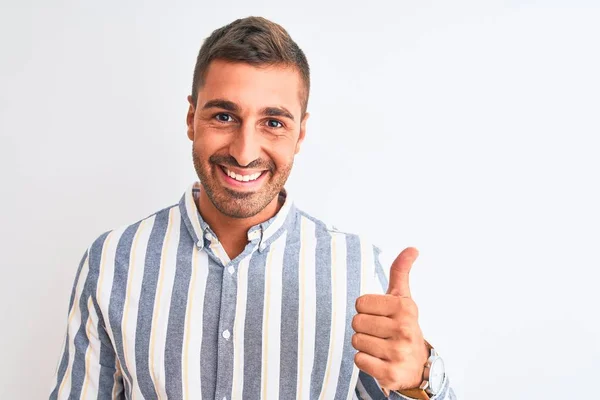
x=333 y=314
x=156 y=312
x=268 y=269
x=303 y=291
x=187 y=322
x=89 y=350
x=128 y=292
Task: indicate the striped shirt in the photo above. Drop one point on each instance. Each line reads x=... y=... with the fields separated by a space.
x=158 y=310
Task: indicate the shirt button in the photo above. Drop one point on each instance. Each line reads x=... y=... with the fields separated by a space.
x=208 y=236
x=231 y=270
x=199 y=244
x=226 y=334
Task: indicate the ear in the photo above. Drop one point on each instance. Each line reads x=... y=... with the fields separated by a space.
x=190 y=118
x=302 y=132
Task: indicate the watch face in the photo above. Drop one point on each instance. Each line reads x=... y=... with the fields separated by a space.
x=436 y=375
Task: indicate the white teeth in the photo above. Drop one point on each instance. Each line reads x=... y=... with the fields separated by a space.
x=242 y=178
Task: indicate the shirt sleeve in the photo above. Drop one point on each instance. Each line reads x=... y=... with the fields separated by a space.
x=88 y=366
x=367 y=387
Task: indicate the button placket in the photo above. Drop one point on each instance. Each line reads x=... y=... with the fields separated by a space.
x=226 y=324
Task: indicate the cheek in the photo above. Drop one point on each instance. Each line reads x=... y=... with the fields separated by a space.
x=282 y=154
x=206 y=144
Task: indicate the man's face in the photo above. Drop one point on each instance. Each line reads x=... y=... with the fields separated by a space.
x=246 y=127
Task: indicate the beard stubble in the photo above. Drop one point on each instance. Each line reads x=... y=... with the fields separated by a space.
x=236 y=204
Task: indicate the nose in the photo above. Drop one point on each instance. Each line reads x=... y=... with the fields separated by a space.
x=245 y=146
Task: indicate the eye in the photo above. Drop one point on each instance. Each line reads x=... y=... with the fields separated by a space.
x=273 y=123
x=222 y=117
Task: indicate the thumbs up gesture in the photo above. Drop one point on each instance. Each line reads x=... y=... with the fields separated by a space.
x=388 y=338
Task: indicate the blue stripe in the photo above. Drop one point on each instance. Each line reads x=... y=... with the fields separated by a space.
x=323 y=310
x=371 y=387
x=146 y=304
x=177 y=313
x=289 y=317
x=117 y=295
x=81 y=340
x=253 y=328
x=210 y=328
x=353 y=259
x=107 y=362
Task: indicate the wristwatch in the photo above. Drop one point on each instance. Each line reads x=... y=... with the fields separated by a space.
x=433 y=378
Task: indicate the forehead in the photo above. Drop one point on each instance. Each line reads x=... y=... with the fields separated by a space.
x=252 y=87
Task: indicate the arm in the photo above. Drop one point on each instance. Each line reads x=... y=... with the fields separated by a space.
x=88 y=366
x=367 y=386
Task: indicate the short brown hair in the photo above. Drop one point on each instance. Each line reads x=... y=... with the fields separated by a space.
x=256 y=41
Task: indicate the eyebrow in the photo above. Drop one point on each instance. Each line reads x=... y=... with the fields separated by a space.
x=231 y=106
x=277 y=112
x=224 y=104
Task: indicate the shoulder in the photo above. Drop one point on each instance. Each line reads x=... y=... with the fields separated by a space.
x=354 y=240
x=119 y=240
x=361 y=256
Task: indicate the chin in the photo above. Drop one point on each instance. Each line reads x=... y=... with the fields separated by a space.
x=237 y=211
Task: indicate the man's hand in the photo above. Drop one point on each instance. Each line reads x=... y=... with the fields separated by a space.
x=388 y=338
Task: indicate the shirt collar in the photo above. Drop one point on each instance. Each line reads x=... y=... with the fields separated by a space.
x=264 y=232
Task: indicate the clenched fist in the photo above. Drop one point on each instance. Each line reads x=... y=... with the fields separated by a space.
x=390 y=344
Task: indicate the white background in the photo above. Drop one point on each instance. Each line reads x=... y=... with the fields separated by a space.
x=466 y=128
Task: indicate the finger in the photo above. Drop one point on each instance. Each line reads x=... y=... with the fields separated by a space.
x=382 y=370
x=371 y=365
x=372 y=345
x=382 y=327
x=377 y=304
x=399 y=272
x=386 y=305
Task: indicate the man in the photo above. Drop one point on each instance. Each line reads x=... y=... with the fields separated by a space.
x=234 y=293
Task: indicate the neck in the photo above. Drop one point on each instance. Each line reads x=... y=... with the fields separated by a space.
x=233 y=232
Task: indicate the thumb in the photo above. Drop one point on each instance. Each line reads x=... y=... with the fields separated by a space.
x=399 y=272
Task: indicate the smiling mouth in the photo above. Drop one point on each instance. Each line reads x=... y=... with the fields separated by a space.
x=242 y=178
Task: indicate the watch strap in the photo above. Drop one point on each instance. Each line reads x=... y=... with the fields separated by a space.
x=414 y=394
